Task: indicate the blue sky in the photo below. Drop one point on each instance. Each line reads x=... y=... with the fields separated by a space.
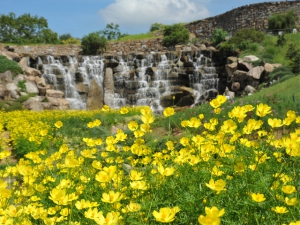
x=81 y=17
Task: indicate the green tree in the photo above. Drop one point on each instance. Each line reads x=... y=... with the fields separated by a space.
x=25 y=29
x=282 y=21
x=156 y=26
x=111 y=32
x=64 y=37
x=218 y=36
x=93 y=43
x=174 y=34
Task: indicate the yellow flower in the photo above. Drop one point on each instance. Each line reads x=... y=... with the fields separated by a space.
x=275 y=122
x=135 y=175
x=295 y=223
x=140 y=185
x=93 y=213
x=217 y=110
x=165 y=171
x=112 y=218
x=217 y=186
x=147 y=119
x=262 y=110
x=111 y=197
x=208 y=220
x=291 y=201
x=280 y=209
x=105 y=108
x=146 y=110
x=258 y=197
x=288 y=189
x=59 y=196
x=133 y=207
x=166 y=214
x=14 y=211
x=82 y=204
x=133 y=125
x=58 y=124
x=124 y=110
x=214 y=211
x=169 y=112
x=103 y=177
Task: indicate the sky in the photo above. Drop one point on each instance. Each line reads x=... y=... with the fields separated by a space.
x=81 y=17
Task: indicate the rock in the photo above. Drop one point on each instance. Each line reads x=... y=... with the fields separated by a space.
x=186 y=101
x=40 y=81
x=250 y=58
x=211 y=48
x=31 y=87
x=249 y=89
x=19 y=78
x=81 y=87
x=11 y=55
x=256 y=72
x=230 y=69
x=5 y=94
x=95 y=96
x=28 y=70
x=202 y=47
x=239 y=75
x=231 y=59
x=6 y=77
x=13 y=88
x=109 y=88
x=235 y=86
x=54 y=93
x=58 y=103
x=270 y=67
x=245 y=66
x=34 y=103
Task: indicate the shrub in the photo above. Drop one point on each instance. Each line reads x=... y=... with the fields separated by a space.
x=71 y=40
x=218 y=36
x=93 y=43
x=156 y=26
x=21 y=85
x=247 y=34
x=283 y=20
x=6 y=64
x=280 y=72
x=281 y=41
x=175 y=34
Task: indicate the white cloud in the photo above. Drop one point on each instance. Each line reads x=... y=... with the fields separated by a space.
x=136 y=14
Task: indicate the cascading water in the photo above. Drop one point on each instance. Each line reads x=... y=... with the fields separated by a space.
x=54 y=69
x=204 y=81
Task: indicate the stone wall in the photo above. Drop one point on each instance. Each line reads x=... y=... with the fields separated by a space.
x=249 y=16
x=56 y=50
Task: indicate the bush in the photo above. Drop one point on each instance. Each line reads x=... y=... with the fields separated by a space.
x=249 y=34
x=71 y=40
x=280 y=72
x=156 y=26
x=218 y=36
x=93 y=43
x=175 y=34
x=283 y=21
x=6 y=64
x=281 y=41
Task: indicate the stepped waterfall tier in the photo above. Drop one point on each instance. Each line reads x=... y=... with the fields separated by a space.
x=155 y=79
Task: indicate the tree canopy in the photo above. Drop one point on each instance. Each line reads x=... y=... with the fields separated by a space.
x=174 y=34
x=25 y=29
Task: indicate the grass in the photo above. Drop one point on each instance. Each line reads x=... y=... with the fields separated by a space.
x=136 y=37
x=270 y=48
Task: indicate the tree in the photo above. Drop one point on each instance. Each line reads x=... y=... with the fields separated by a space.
x=218 y=36
x=156 y=26
x=25 y=29
x=111 y=31
x=64 y=37
x=93 y=43
x=283 y=21
x=174 y=34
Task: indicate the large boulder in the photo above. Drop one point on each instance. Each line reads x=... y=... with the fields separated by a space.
x=5 y=77
x=54 y=93
x=256 y=72
x=58 y=103
x=10 y=55
x=14 y=89
x=250 y=58
x=109 y=88
x=31 y=87
x=95 y=96
x=34 y=103
x=28 y=70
